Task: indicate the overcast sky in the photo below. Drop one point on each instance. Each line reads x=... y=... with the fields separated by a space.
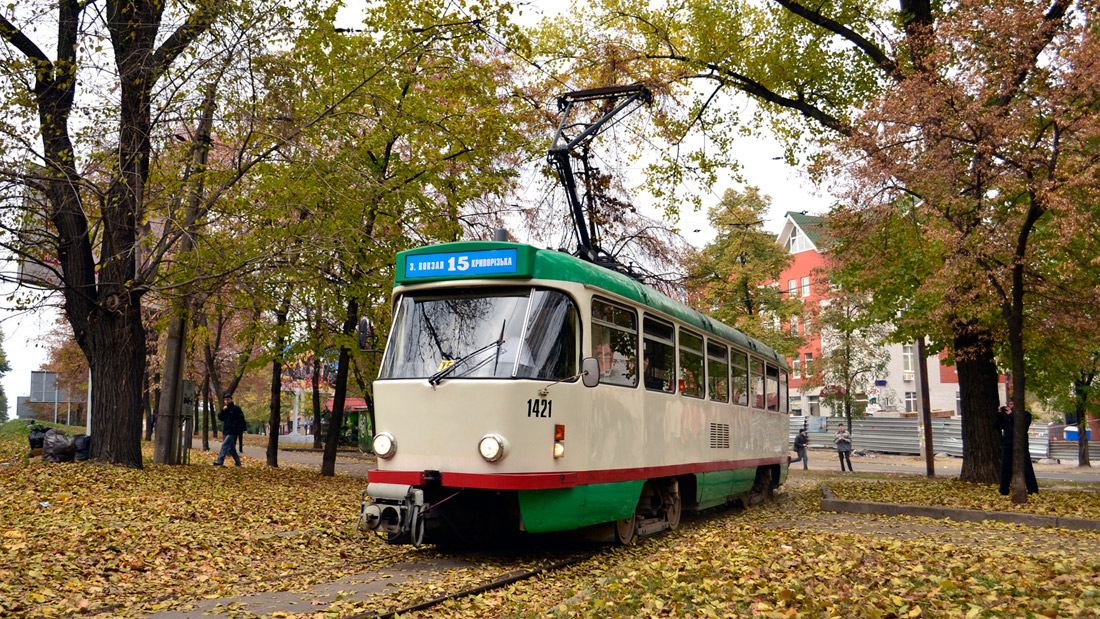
x=788 y=188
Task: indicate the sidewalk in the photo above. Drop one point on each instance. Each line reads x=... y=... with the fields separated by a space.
x=296 y=455
x=945 y=466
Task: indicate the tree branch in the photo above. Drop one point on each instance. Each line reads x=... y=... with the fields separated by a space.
x=872 y=51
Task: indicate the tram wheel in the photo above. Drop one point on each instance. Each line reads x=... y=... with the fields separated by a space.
x=625 y=530
x=674 y=506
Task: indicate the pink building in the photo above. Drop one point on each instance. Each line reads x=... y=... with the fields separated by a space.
x=890 y=395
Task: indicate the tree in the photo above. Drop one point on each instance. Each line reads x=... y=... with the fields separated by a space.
x=5 y=367
x=431 y=136
x=852 y=352
x=996 y=140
x=91 y=186
x=812 y=70
x=731 y=276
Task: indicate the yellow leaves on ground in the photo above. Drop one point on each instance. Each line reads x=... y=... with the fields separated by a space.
x=80 y=537
x=954 y=493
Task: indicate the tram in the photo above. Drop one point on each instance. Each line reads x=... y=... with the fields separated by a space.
x=525 y=390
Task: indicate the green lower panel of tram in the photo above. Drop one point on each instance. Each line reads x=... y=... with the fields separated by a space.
x=562 y=509
x=716 y=487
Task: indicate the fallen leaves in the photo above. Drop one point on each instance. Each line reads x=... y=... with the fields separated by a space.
x=954 y=493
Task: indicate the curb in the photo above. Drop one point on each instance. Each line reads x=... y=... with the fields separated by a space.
x=830 y=503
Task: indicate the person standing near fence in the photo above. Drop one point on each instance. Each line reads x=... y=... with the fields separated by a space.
x=800 y=443
x=843 y=442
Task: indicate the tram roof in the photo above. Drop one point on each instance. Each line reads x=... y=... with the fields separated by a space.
x=511 y=261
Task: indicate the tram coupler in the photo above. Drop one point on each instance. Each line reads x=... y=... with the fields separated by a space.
x=394 y=509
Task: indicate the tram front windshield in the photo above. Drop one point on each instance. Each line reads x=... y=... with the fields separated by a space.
x=520 y=333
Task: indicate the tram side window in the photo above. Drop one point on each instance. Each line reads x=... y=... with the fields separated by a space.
x=756 y=383
x=740 y=383
x=718 y=372
x=615 y=343
x=772 y=386
x=658 y=355
x=691 y=364
x=550 y=342
x=784 y=395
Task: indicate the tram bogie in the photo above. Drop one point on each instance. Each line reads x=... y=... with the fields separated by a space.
x=532 y=392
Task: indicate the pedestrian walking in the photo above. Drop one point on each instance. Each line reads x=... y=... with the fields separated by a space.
x=800 y=443
x=232 y=418
x=843 y=442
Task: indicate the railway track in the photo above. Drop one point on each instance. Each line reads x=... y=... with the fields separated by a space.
x=499 y=581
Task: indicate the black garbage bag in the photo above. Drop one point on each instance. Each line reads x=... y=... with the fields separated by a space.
x=83 y=445
x=58 y=447
x=37 y=435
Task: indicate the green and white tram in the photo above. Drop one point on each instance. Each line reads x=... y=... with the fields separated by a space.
x=527 y=390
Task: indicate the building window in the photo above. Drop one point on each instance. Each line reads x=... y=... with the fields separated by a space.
x=794 y=325
x=792 y=288
x=907 y=358
x=910 y=401
x=806 y=325
x=809 y=366
x=813 y=407
x=792 y=243
x=805 y=286
x=796 y=369
x=796 y=406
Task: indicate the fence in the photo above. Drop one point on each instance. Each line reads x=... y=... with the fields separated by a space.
x=902 y=436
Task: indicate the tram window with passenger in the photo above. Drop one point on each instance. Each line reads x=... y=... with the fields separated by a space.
x=771 y=385
x=717 y=372
x=784 y=395
x=691 y=364
x=615 y=343
x=740 y=382
x=756 y=383
x=481 y=333
x=658 y=355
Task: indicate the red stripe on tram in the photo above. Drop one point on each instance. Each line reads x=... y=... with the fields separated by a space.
x=550 y=480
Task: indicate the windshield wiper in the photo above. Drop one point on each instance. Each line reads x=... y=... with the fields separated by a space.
x=437 y=378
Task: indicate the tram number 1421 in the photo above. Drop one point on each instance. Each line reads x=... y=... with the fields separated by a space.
x=539 y=408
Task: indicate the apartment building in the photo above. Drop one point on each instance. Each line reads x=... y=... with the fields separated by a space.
x=890 y=395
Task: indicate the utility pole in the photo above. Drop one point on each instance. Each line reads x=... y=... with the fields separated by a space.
x=167 y=449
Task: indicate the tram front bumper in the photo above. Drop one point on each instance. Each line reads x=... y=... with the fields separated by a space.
x=394 y=509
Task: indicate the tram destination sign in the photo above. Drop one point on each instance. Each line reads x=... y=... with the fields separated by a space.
x=462 y=264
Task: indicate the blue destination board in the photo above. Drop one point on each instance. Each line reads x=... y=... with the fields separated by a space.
x=462 y=263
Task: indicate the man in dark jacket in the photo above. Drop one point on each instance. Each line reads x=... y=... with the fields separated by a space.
x=232 y=418
x=800 y=443
x=1006 y=425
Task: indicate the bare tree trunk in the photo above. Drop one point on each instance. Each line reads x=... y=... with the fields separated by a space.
x=207 y=415
x=276 y=406
x=147 y=405
x=1081 y=386
x=336 y=420
x=979 y=397
x=316 y=399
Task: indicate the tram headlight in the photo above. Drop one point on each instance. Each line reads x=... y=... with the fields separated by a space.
x=491 y=447
x=384 y=445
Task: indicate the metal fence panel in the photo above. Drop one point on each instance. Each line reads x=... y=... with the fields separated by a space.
x=895 y=435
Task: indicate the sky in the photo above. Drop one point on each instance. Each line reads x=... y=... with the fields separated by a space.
x=788 y=188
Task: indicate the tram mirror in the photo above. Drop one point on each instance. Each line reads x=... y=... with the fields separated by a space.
x=364 y=326
x=590 y=372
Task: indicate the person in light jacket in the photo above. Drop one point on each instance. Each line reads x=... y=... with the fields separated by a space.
x=843 y=442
